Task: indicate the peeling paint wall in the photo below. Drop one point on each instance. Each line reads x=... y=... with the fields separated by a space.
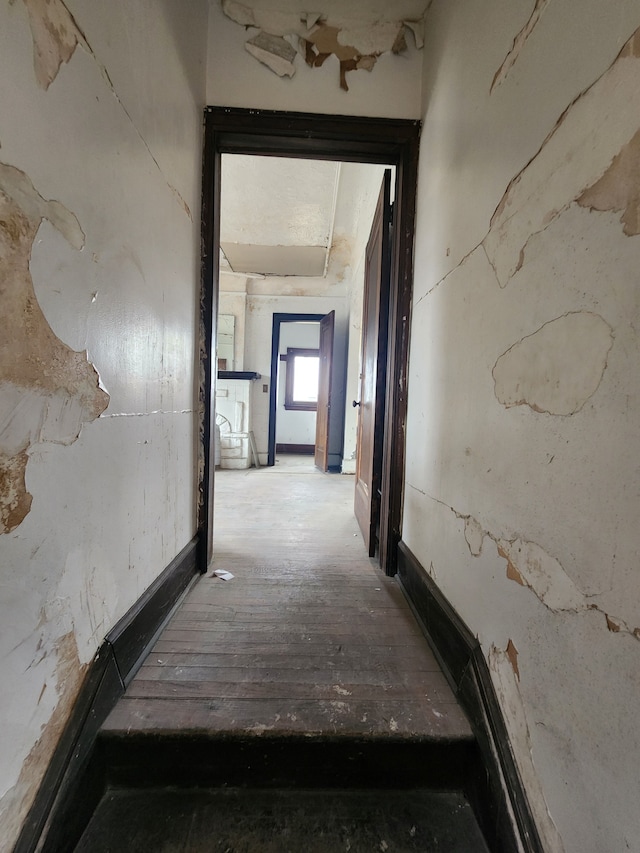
x=99 y=190
x=524 y=395
x=332 y=60
x=278 y=36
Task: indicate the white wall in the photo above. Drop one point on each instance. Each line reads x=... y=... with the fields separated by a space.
x=524 y=395
x=294 y=427
x=115 y=143
x=236 y=79
x=234 y=303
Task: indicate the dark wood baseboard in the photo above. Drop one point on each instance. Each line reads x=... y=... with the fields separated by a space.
x=498 y=794
x=68 y=793
x=306 y=449
x=131 y=637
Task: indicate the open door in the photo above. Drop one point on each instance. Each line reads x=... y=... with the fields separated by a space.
x=324 y=391
x=375 y=318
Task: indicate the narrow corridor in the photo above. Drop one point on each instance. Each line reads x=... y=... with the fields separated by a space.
x=296 y=706
x=309 y=636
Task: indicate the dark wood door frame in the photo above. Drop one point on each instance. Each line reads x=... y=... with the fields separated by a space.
x=278 y=320
x=392 y=142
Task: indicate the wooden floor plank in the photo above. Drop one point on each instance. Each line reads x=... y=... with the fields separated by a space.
x=383 y=676
x=283 y=690
x=191 y=642
x=340 y=715
x=310 y=662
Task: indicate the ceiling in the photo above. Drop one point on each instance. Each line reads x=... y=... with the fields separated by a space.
x=277 y=215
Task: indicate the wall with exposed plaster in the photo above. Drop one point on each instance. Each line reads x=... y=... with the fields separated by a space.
x=524 y=395
x=99 y=225
x=391 y=86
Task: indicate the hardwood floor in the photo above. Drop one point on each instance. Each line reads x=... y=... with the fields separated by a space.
x=308 y=638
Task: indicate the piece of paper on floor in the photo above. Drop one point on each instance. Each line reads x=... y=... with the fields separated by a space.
x=225 y=576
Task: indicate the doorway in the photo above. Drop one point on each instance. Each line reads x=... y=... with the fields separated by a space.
x=335 y=138
x=282 y=398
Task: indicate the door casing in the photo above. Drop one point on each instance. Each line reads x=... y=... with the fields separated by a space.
x=392 y=142
x=278 y=320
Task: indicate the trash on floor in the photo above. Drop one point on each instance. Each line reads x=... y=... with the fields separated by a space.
x=224 y=575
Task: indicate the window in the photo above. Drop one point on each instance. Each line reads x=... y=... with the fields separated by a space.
x=301 y=385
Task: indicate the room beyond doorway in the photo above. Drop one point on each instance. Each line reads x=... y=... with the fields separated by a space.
x=336 y=139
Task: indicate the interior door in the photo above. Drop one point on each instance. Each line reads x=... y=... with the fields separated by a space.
x=375 y=317
x=324 y=391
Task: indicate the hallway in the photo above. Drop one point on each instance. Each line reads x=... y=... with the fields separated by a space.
x=295 y=706
x=308 y=637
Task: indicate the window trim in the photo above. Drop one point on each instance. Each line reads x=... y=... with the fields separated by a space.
x=289 y=403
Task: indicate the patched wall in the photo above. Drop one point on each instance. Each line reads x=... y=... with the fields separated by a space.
x=522 y=447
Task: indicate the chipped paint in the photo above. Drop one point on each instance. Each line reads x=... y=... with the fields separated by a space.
x=356 y=46
x=274 y=52
x=530 y=566
x=512 y=573
x=47 y=390
x=543 y=574
x=619 y=188
x=574 y=156
x=518 y=43
x=474 y=534
x=617 y=625
x=505 y=681
x=69 y=673
x=55 y=37
x=557 y=492
x=557 y=368
x=512 y=653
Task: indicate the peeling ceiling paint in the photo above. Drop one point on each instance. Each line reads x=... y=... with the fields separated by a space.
x=355 y=39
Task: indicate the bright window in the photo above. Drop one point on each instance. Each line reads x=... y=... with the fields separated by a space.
x=301 y=385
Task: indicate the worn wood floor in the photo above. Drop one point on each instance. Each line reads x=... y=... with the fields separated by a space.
x=309 y=637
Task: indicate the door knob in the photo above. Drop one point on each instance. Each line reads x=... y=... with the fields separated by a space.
x=355 y=403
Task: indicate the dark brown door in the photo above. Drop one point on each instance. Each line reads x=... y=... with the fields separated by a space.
x=375 y=316
x=324 y=391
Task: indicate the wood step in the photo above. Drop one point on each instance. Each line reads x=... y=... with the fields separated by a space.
x=273 y=760
x=282 y=821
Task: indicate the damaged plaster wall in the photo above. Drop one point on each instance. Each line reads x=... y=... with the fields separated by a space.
x=99 y=189
x=309 y=73
x=524 y=395
x=279 y=36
